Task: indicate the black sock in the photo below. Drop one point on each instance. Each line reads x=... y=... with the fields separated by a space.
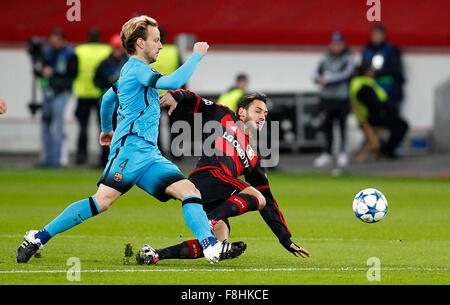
x=234 y=206
x=188 y=249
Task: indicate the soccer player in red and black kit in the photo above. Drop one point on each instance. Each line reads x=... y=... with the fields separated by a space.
x=216 y=174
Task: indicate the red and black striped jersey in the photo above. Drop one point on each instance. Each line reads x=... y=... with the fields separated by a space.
x=231 y=151
x=229 y=148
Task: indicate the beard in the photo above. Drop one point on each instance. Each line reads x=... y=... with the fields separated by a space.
x=148 y=56
x=251 y=126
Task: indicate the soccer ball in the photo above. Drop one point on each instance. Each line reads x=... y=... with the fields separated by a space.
x=370 y=205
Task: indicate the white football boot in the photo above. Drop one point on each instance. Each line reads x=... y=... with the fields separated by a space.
x=147 y=256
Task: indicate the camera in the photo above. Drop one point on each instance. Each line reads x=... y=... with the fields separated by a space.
x=36 y=52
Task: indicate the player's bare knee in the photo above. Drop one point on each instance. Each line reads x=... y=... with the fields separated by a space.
x=103 y=202
x=182 y=189
x=194 y=191
x=105 y=197
x=261 y=199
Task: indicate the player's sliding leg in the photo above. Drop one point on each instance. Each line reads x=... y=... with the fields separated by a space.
x=73 y=215
x=249 y=199
x=196 y=219
x=189 y=249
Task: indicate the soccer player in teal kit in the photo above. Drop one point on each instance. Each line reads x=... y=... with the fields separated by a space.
x=135 y=158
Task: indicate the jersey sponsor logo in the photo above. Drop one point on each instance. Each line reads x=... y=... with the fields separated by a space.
x=118 y=177
x=237 y=146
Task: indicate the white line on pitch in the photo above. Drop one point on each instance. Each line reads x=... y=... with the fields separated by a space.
x=225 y=270
x=240 y=238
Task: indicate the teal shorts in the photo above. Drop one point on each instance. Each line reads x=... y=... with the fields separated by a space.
x=135 y=161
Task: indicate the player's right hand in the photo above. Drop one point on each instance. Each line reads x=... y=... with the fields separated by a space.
x=201 y=47
x=105 y=138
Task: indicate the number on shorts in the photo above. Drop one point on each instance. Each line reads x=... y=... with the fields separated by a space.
x=123 y=165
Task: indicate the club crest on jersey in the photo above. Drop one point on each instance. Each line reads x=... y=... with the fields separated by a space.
x=118 y=177
x=250 y=152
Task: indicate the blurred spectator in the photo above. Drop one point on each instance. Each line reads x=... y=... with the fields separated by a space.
x=369 y=105
x=333 y=75
x=90 y=55
x=3 y=106
x=234 y=94
x=386 y=61
x=108 y=71
x=58 y=72
x=168 y=58
x=107 y=74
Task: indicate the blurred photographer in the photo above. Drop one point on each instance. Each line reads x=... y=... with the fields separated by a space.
x=59 y=68
x=370 y=107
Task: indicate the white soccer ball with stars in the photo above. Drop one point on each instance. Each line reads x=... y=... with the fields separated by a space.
x=370 y=205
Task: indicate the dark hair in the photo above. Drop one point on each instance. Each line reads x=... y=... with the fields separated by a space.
x=58 y=32
x=379 y=27
x=246 y=100
x=241 y=76
x=364 y=67
x=94 y=35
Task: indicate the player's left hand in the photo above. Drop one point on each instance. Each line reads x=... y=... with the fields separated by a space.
x=297 y=250
x=167 y=100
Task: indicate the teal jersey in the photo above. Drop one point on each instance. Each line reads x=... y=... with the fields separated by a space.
x=139 y=109
x=137 y=95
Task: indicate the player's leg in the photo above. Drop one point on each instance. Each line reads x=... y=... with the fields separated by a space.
x=164 y=181
x=225 y=196
x=73 y=215
x=249 y=199
x=112 y=184
x=189 y=249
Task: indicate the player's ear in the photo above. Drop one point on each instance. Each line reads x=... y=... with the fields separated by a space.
x=241 y=112
x=140 y=42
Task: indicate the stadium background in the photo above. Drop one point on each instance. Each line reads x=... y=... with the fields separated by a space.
x=278 y=46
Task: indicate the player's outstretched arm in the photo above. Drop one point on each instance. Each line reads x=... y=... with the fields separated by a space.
x=271 y=213
x=275 y=220
x=185 y=71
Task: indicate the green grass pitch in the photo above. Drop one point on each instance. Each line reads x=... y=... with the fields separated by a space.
x=412 y=242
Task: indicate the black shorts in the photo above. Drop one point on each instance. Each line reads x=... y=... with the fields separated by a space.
x=215 y=185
